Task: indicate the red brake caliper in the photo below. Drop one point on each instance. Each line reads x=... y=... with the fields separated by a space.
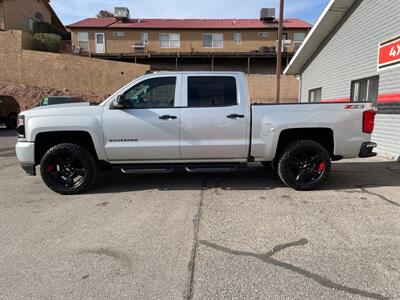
x=50 y=168
x=321 y=166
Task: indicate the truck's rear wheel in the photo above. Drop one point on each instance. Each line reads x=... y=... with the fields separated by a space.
x=68 y=169
x=304 y=165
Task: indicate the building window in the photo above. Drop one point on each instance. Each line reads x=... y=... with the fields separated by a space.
x=170 y=40
x=30 y=24
x=118 y=33
x=237 y=37
x=365 y=90
x=298 y=39
x=213 y=40
x=208 y=91
x=38 y=17
x=83 y=40
x=144 y=38
x=263 y=35
x=315 y=95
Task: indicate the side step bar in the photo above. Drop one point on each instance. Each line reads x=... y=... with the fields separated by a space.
x=147 y=169
x=190 y=168
x=212 y=168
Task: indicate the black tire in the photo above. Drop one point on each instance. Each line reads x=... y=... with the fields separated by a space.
x=304 y=165
x=68 y=169
x=271 y=166
x=12 y=121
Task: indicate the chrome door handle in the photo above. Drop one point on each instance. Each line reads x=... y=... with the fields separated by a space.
x=167 y=117
x=235 y=116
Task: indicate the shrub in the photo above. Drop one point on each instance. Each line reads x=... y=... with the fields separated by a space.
x=44 y=27
x=48 y=42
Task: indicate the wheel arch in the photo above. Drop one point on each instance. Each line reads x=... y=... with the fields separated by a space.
x=45 y=140
x=324 y=136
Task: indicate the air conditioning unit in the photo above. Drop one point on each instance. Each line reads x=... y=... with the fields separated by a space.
x=121 y=12
x=267 y=14
x=263 y=35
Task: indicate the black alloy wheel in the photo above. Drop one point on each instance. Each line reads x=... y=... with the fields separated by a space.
x=68 y=169
x=304 y=165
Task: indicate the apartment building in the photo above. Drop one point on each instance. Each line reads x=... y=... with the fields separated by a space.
x=21 y=14
x=190 y=44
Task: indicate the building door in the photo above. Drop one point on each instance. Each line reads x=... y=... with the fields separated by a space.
x=100 y=42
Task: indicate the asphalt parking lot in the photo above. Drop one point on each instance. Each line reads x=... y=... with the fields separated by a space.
x=203 y=236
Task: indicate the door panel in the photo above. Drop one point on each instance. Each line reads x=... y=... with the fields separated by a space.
x=100 y=43
x=148 y=127
x=139 y=134
x=213 y=132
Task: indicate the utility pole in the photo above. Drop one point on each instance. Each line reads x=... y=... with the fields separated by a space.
x=279 y=52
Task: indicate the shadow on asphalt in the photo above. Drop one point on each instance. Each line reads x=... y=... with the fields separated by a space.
x=345 y=176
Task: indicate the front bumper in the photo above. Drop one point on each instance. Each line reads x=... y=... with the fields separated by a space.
x=26 y=156
x=366 y=149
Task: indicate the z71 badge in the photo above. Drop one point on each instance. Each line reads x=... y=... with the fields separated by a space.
x=355 y=106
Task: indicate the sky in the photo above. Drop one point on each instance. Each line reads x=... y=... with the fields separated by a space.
x=70 y=11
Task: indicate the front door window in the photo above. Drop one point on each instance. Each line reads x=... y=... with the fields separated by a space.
x=152 y=93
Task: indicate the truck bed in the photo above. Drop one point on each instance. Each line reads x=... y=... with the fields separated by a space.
x=342 y=120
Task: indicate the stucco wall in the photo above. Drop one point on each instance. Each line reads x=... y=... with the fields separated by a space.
x=263 y=87
x=78 y=74
x=17 y=13
x=60 y=71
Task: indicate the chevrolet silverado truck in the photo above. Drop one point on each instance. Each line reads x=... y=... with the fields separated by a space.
x=196 y=121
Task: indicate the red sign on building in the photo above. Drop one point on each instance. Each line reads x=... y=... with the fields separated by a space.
x=389 y=54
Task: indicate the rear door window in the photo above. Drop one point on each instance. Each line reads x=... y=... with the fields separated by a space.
x=210 y=91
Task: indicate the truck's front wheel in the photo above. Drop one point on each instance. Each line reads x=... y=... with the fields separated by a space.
x=304 y=165
x=68 y=169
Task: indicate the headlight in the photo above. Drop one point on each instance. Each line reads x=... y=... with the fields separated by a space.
x=21 y=126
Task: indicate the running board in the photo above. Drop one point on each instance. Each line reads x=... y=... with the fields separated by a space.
x=147 y=169
x=190 y=168
x=208 y=168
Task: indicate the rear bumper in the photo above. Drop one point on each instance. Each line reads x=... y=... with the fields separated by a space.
x=366 y=149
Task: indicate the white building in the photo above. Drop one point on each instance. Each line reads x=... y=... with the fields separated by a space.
x=352 y=54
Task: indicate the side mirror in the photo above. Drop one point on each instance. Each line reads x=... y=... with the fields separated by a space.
x=120 y=102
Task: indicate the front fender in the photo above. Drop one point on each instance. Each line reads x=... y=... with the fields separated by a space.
x=87 y=123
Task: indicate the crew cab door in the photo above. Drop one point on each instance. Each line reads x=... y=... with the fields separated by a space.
x=214 y=118
x=147 y=128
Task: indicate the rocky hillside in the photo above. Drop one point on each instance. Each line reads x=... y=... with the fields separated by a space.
x=29 y=96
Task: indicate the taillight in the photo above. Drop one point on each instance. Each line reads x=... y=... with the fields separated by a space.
x=368 y=121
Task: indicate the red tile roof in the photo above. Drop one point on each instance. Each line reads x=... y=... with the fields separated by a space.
x=188 y=23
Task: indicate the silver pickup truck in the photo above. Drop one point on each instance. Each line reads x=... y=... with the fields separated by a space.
x=198 y=121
